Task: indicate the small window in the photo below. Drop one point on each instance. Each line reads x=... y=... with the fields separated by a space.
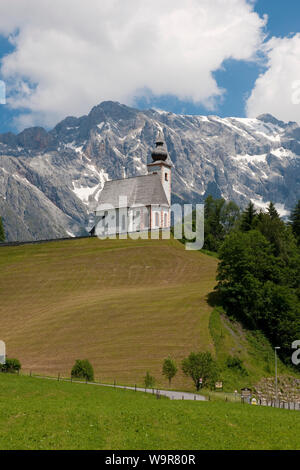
x=166 y=176
x=166 y=220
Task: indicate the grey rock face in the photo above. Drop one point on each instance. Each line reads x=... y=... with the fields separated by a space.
x=50 y=181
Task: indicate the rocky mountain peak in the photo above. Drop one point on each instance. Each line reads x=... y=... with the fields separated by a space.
x=268 y=118
x=50 y=181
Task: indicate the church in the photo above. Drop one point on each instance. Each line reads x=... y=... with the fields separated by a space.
x=137 y=203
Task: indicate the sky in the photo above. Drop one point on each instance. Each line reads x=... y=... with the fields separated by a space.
x=224 y=57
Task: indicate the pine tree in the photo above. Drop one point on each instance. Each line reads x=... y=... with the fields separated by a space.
x=248 y=218
x=272 y=212
x=295 y=221
x=2 y=233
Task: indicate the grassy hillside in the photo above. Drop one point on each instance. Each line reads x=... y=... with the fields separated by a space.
x=59 y=415
x=230 y=339
x=125 y=305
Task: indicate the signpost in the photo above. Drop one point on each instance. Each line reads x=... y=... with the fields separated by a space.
x=219 y=385
x=246 y=394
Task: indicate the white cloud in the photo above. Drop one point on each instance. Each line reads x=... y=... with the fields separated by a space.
x=72 y=54
x=277 y=91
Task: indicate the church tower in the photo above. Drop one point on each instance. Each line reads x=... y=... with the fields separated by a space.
x=161 y=164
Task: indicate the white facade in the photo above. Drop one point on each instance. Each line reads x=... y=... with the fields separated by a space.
x=140 y=203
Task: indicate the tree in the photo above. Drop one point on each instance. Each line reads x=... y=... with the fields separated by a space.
x=248 y=218
x=149 y=380
x=169 y=369
x=11 y=365
x=259 y=288
x=230 y=216
x=198 y=366
x=272 y=212
x=2 y=233
x=83 y=369
x=246 y=262
x=273 y=228
x=295 y=222
x=220 y=217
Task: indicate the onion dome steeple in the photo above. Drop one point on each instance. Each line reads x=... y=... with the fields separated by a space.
x=160 y=152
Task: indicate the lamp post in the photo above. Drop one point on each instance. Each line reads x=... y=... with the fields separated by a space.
x=276 y=384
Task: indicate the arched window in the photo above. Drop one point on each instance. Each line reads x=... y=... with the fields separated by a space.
x=146 y=219
x=137 y=220
x=157 y=219
x=166 y=220
x=166 y=176
x=123 y=222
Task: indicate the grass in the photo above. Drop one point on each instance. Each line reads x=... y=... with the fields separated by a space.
x=257 y=354
x=58 y=415
x=125 y=305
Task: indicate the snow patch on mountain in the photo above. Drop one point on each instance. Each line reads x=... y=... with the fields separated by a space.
x=237 y=158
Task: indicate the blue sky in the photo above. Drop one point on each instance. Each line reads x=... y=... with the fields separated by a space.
x=236 y=77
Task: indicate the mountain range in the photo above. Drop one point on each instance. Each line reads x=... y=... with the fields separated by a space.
x=50 y=181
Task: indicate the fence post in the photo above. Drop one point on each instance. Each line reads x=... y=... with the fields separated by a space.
x=135 y=387
x=194 y=397
x=115 y=383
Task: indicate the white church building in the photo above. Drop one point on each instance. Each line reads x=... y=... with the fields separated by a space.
x=137 y=203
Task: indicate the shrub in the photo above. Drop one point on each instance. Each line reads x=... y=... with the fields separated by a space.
x=169 y=369
x=149 y=381
x=234 y=362
x=11 y=365
x=83 y=369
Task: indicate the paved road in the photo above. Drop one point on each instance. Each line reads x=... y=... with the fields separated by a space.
x=167 y=393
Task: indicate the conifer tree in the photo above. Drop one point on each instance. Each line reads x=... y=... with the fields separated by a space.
x=248 y=218
x=271 y=210
x=295 y=221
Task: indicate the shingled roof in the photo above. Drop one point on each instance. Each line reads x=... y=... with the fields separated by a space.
x=140 y=190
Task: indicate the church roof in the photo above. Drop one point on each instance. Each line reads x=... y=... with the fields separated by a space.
x=140 y=190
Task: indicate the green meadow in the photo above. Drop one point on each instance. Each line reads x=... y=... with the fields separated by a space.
x=47 y=414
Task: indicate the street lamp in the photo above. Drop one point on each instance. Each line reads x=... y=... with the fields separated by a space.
x=276 y=385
